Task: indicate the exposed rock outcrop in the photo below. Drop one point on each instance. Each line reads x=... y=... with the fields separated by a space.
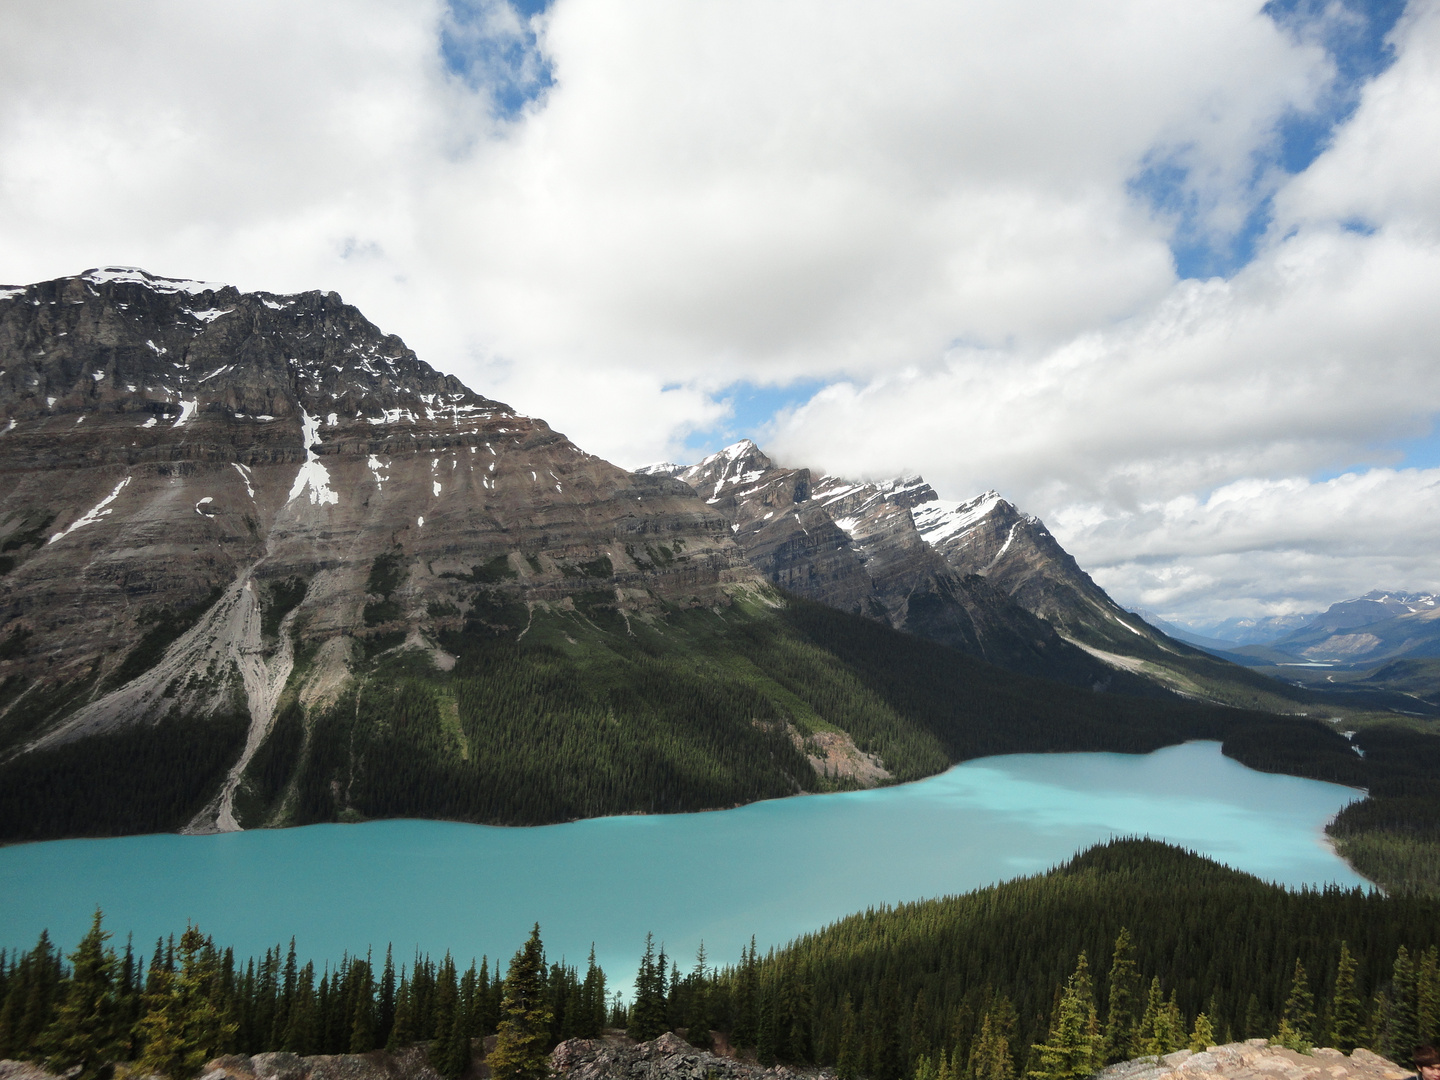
x=667 y=1058
x=1257 y=1060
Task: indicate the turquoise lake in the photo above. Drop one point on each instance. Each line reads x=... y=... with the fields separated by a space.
x=774 y=869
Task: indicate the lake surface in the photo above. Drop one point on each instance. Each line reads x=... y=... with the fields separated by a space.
x=774 y=869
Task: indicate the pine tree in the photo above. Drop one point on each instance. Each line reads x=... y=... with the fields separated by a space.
x=1297 y=1022
x=1074 y=1048
x=520 y=1048
x=1343 y=1029
x=88 y=1027
x=1123 y=993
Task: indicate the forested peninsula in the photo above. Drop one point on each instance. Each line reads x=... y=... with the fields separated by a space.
x=1132 y=947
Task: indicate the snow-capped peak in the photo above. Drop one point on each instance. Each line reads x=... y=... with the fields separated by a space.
x=661 y=468
x=942 y=520
x=135 y=275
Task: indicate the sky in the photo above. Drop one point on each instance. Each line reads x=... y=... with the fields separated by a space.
x=1165 y=274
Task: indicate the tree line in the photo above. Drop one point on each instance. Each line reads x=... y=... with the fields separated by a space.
x=192 y=1002
x=1131 y=948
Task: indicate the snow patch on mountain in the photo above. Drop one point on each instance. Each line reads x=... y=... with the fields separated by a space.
x=95 y=513
x=942 y=520
x=135 y=275
x=313 y=475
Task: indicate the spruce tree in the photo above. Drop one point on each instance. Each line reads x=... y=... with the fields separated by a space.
x=403 y=1031
x=1427 y=998
x=520 y=1047
x=184 y=1024
x=1161 y=1030
x=592 y=999
x=1202 y=1035
x=990 y=1057
x=1343 y=1029
x=1074 y=1048
x=697 y=1022
x=1297 y=1022
x=88 y=1029
x=1123 y=993
x=647 y=1014
x=846 y=1063
x=385 y=1007
x=747 y=999
x=1404 y=1036
x=447 y=1019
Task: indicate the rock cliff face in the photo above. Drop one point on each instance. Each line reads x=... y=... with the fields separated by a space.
x=269 y=472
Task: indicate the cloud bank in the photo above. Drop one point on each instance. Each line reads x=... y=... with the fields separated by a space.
x=962 y=221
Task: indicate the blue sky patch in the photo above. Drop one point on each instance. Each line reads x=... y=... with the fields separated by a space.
x=480 y=43
x=1353 y=33
x=752 y=408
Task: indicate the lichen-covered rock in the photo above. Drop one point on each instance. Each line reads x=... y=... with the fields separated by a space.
x=668 y=1057
x=1256 y=1059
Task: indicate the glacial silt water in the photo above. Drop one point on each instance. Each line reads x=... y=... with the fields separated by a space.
x=774 y=869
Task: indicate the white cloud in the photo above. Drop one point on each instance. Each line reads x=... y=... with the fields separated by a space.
x=1270 y=547
x=925 y=202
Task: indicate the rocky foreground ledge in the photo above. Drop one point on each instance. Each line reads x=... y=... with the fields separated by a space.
x=1255 y=1059
x=671 y=1058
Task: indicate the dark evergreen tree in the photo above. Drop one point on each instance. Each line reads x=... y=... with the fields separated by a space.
x=1074 y=1049
x=697 y=1019
x=88 y=1030
x=647 y=1012
x=846 y=1057
x=1343 y=1027
x=1297 y=1021
x=1123 y=1000
x=520 y=1047
x=184 y=1024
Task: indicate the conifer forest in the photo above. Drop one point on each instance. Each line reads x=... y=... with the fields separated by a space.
x=1132 y=948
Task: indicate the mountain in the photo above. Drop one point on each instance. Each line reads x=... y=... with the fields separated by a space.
x=219 y=503
x=1252 y=630
x=1369 y=629
x=264 y=566
x=980 y=576
x=856 y=547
